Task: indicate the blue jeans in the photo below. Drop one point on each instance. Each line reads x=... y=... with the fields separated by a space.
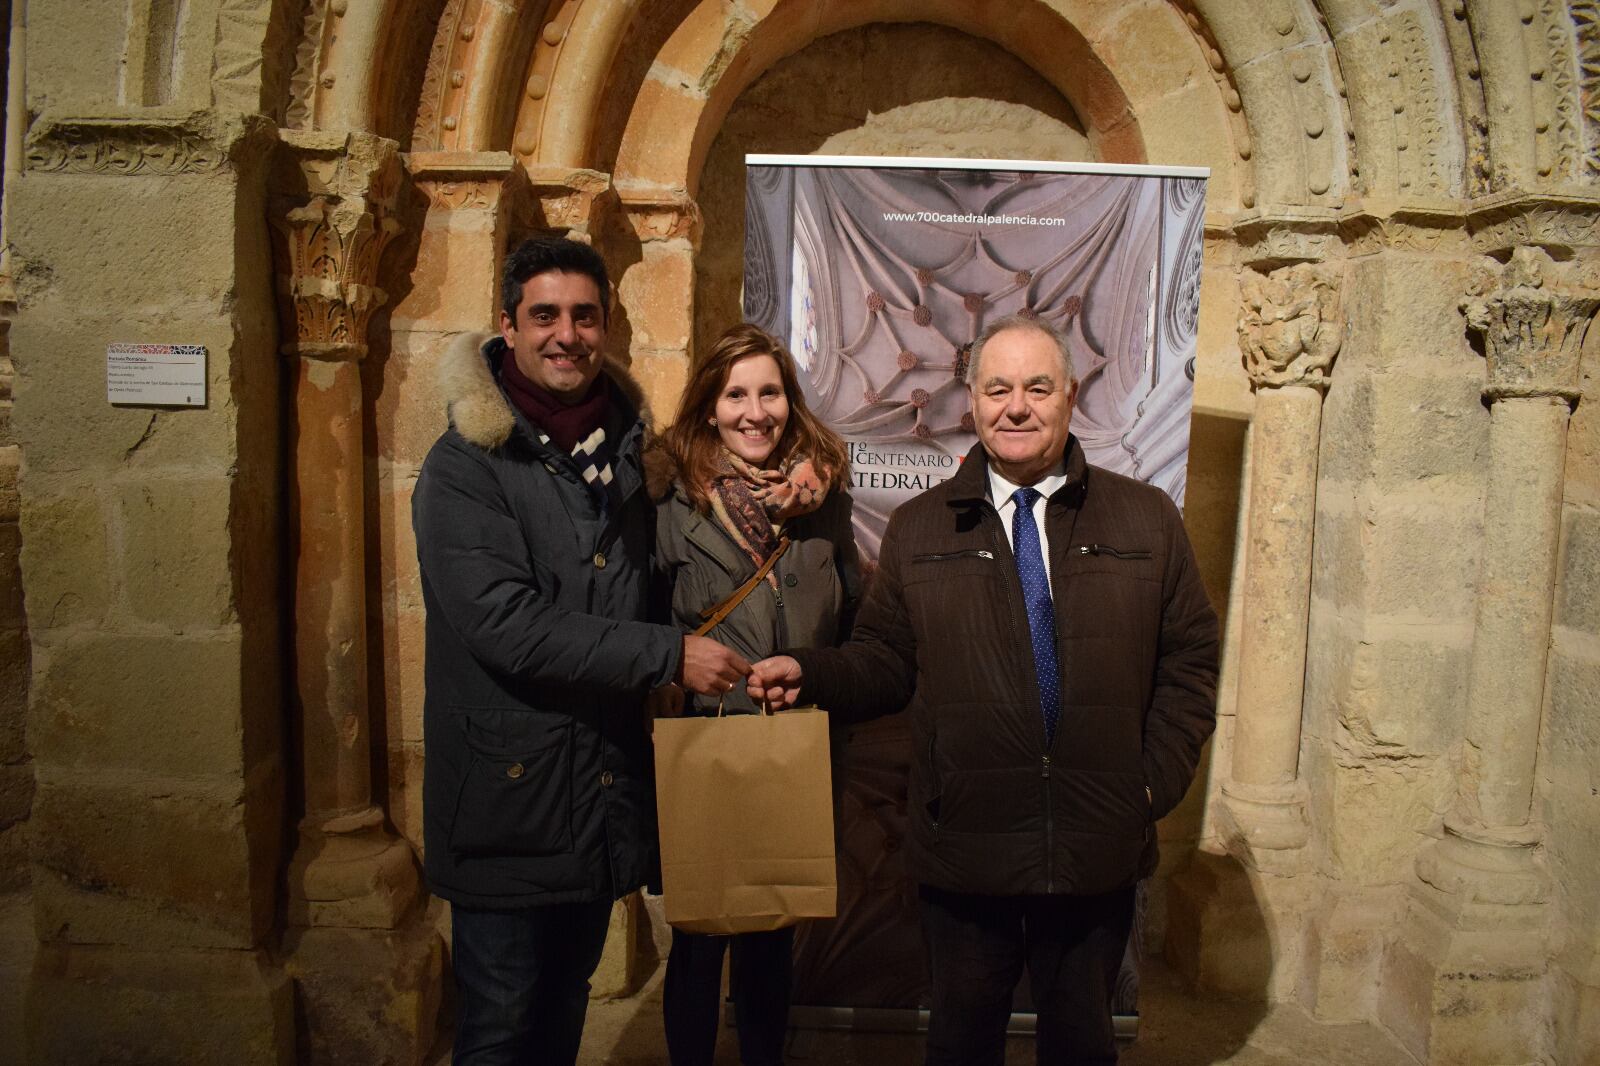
x=522 y=981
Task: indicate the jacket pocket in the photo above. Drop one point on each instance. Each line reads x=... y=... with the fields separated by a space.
x=1112 y=552
x=516 y=800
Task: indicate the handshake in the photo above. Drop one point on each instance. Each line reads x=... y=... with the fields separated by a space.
x=712 y=669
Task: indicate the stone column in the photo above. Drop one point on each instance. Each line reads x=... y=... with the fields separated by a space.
x=348 y=869
x=1290 y=333
x=657 y=292
x=1466 y=966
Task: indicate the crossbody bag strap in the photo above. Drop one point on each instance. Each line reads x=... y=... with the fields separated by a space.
x=714 y=615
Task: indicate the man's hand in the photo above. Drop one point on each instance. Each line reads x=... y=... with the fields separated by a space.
x=709 y=668
x=777 y=680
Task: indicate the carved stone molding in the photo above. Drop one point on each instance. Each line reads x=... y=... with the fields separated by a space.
x=661 y=215
x=573 y=199
x=1291 y=328
x=159 y=146
x=1501 y=223
x=1290 y=236
x=317 y=34
x=333 y=229
x=466 y=181
x=1532 y=313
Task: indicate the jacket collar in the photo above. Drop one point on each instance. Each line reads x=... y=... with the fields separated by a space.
x=970 y=486
x=469 y=377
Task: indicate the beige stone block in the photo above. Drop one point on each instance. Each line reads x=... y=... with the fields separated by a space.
x=1220 y=384
x=655 y=149
x=658 y=293
x=65 y=557
x=16 y=793
x=14 y=876
x=399 y=575
x=1454 y=995
x=177 y=552
x=1402 y=311
x=694 y=57
x=368 y=996
x=1578 y=586
x=80 y=59
x=135 y=860
x=1570 y=750
x=1583 y=432
x=93 y=1003
x=1217 y=928
x=1375 y=818
x=1411 y=557
x=163 y=705
x=95 y=233
x=1153 y=54
x=61 y=411
x=1345 y=938
x=15 y=663
x=404 y=646
x=405 y=761
x=455 y=284
x=12 y=613
x=408 y=408
x=662 y=376
x=1399 y=429
x=1576 y=1007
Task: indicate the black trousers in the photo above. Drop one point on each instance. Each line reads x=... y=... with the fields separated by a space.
x=758 y=980
x=977 y=947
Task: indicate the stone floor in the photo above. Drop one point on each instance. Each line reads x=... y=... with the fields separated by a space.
x=1177 y=1029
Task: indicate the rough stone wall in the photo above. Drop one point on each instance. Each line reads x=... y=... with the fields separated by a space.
x=150 y=546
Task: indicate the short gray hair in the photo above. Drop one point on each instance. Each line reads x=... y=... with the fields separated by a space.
x=1027 y=321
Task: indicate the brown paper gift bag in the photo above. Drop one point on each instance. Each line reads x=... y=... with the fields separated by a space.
x=745 y=803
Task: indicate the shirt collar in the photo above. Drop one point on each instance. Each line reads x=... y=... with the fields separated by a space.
x=1000 y=489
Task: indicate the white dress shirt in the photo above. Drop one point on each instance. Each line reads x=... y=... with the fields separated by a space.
x=1000 y=491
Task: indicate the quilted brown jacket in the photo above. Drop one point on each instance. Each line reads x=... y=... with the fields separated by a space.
x=993 y=809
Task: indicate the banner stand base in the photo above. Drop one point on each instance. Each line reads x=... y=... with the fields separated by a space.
x=909 y=1020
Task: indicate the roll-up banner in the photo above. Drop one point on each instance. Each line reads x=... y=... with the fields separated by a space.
x=879 y=273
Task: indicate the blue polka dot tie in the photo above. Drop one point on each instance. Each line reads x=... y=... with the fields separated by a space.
x=1041 y=613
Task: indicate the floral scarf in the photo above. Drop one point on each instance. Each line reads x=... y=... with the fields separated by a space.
x=752 y=504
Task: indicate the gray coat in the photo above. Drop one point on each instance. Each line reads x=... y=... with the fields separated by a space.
x=813 y=606
x=538 y=784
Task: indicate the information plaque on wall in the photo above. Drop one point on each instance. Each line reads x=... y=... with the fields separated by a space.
x=166 y=375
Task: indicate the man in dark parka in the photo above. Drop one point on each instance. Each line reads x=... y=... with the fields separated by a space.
x=535 y=536
x=1045 y=621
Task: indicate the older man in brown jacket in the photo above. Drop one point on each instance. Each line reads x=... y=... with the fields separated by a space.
x=1045 y=621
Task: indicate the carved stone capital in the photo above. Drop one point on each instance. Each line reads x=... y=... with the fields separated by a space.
x=654 y=214
x=1290 y=328
x=1532 y=313
x=466 y=181
x=572 y=199
x=333 y=221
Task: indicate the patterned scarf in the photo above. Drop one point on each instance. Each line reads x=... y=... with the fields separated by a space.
x=752 y=504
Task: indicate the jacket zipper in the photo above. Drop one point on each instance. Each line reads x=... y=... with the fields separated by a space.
x=939 y=557
x=1106 y=549
x=1049 y=817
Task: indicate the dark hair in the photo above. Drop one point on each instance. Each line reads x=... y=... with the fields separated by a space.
x=693 y=444
x=541 y=255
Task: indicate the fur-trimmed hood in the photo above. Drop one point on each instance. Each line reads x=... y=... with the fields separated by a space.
x=478 y=408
